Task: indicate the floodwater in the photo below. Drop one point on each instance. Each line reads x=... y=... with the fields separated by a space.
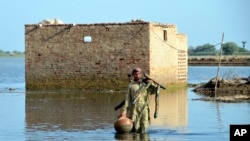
x=90 y=116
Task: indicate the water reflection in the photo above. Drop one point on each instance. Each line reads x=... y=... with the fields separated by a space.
x=132 y=136
x=70 y=111
x=83 y=112
x=173 y=109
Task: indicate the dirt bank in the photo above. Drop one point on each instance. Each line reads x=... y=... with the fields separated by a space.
x=233 y=90
x=213 y=61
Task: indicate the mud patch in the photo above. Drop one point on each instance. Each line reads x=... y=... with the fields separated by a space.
x=231 y=90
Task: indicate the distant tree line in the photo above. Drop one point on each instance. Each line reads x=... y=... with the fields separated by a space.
x=11 y=53
x=228 y=48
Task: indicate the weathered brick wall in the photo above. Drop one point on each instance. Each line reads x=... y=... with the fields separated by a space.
x=168 y=54
x=57 y=56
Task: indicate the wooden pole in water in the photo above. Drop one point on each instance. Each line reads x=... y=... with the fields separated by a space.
x=218 y=69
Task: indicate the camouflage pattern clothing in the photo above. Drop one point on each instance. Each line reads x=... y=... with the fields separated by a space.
x=139 y=111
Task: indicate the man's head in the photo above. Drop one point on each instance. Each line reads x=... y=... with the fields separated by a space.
x=136 y=73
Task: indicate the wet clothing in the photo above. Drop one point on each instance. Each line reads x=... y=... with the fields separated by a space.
x=139 y=111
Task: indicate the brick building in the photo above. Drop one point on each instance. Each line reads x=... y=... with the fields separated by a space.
x=76 y=56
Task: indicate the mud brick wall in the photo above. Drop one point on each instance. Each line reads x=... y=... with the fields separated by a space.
x=168 y=54
x=99 y=56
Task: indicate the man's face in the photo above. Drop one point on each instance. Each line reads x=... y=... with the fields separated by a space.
x=137 y=76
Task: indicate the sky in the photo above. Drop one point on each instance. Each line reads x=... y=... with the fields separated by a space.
x=203 y=21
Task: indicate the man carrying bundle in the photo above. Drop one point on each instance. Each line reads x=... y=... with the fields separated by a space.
x=137 y=101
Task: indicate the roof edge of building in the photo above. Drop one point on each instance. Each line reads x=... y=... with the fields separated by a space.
x=132 y=22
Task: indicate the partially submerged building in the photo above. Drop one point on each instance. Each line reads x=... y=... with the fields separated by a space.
x=86 y=56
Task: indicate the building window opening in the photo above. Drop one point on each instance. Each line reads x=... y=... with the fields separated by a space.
x=87 y=39
x=165 y=36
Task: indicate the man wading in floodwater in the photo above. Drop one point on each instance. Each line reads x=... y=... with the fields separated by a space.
x=137 y=101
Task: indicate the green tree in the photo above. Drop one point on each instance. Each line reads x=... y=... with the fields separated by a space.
x=1 y=52
x=242 y=49
x=206 y=49
x=191 y=50
x=229 y=48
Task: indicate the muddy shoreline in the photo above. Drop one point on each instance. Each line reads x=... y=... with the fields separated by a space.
x=231 y=90
x=213 y=61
